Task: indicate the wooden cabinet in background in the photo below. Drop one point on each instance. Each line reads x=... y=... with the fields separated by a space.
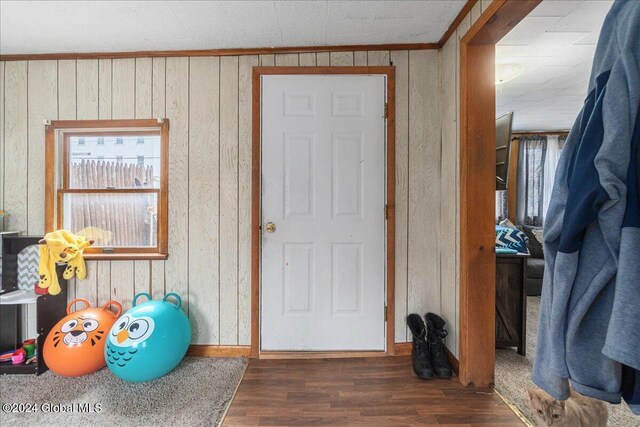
x=511 y=301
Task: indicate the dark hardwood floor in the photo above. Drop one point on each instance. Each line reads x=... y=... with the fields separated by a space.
x=381 y=391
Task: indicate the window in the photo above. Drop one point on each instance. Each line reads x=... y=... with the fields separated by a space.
x=117 y=199
x=531 y=179
x=140 y=141
x=537 y=162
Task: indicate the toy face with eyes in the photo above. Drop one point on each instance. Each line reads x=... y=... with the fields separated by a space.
x=126 y=335
x=129 y=331
x=76 y=331
x=75 y=345
x=148 y=341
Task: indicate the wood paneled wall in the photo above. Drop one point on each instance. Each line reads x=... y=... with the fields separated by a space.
x=450 y=177
x=208 y=102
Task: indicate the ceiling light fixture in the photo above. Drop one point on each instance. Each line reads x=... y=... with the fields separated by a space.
x=508 y=72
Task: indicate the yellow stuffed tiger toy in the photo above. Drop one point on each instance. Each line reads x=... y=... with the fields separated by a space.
x=61 y=246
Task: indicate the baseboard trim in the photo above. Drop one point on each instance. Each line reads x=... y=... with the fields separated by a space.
x=318 y=354
x=404 y=349
x=219 y=350
x=455 y=364
x=400 y=349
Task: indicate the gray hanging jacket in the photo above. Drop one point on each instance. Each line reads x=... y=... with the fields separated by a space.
x=589 y=327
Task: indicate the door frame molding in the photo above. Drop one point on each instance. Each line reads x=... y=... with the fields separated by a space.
x=477 y=187
x=256 y=162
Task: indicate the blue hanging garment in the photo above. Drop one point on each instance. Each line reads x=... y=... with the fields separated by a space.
x=589 y=327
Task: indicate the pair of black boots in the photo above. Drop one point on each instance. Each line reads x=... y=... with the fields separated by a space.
x=428 y=352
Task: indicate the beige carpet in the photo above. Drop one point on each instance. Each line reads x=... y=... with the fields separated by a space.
x=196 y=393
x=513 y=374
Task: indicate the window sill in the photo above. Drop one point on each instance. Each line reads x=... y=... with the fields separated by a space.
x=124 y=256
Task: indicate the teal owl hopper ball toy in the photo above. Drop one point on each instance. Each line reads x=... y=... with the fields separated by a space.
x=149 y=340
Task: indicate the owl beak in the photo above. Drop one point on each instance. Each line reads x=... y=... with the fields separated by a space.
x=122 y=335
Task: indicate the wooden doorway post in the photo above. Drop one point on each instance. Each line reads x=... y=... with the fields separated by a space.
x=477 y=187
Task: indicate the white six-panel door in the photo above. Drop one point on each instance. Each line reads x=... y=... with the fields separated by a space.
x=323 y=190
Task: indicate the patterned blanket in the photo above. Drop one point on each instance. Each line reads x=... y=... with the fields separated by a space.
x=511 y=241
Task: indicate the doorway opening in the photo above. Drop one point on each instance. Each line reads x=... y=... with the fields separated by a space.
x=477 y=188
x=499 y=294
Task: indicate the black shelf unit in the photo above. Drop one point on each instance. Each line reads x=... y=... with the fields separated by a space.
x=49 y=308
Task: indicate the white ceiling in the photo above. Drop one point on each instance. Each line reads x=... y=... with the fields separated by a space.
x=556 y=44
x=115 y=26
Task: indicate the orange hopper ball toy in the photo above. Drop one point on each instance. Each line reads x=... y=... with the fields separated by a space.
x=75 y=345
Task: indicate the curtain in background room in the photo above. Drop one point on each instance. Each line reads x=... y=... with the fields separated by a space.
x=531 y=173
x=502 y=205
x=561 y=140
x=554 y=148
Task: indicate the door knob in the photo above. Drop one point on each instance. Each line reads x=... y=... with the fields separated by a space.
x=270 y=227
